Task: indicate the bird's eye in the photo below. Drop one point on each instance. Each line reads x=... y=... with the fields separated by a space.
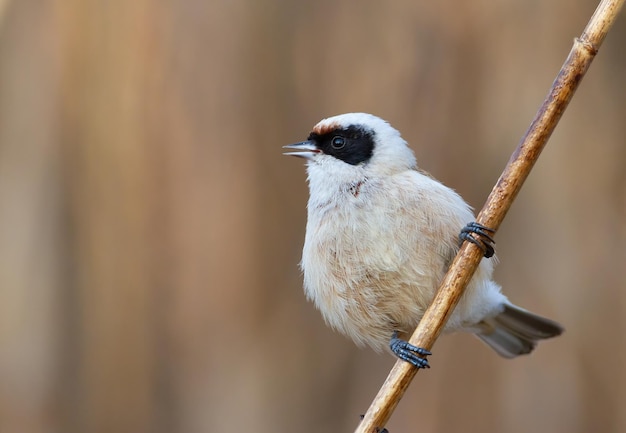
x=338 y=142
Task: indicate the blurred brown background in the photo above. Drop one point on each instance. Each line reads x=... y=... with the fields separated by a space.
x=150 y=228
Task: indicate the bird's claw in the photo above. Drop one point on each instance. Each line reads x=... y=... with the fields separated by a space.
x=484 y=241
x=408 y=352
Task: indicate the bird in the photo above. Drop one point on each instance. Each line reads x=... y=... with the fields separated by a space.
x=380 y=235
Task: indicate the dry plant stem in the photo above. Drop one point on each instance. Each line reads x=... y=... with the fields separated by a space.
x=495 y=209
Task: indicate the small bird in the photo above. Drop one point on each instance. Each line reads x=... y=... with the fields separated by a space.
x=380 y=236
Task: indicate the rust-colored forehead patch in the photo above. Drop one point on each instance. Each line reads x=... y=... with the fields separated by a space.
x=323 y=128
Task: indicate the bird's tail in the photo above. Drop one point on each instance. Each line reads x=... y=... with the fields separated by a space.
x=516 y=331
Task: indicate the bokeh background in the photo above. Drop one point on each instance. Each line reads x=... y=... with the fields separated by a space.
x=150 y=228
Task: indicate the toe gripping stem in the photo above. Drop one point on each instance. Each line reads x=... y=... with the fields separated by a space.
x=484 y=241
x=408 y=352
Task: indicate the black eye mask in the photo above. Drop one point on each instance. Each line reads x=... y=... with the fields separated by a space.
x=353 y=145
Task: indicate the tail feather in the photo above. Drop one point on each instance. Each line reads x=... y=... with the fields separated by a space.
x=516 y=331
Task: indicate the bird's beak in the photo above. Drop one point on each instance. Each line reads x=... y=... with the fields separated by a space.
x=305 y=149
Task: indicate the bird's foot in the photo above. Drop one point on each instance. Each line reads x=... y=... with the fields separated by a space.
x=409 y=353
x=484 y=241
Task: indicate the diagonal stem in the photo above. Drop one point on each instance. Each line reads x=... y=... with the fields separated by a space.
x=495 y=209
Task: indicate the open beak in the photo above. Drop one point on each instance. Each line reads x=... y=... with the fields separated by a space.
x=304 y=149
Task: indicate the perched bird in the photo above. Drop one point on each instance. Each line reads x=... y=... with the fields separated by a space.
x=379 y=238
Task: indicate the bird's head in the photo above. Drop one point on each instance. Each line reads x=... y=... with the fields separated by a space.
x=354 y=142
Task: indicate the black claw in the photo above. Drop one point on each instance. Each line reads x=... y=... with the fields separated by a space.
x=409 y=353
x=484 y=241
